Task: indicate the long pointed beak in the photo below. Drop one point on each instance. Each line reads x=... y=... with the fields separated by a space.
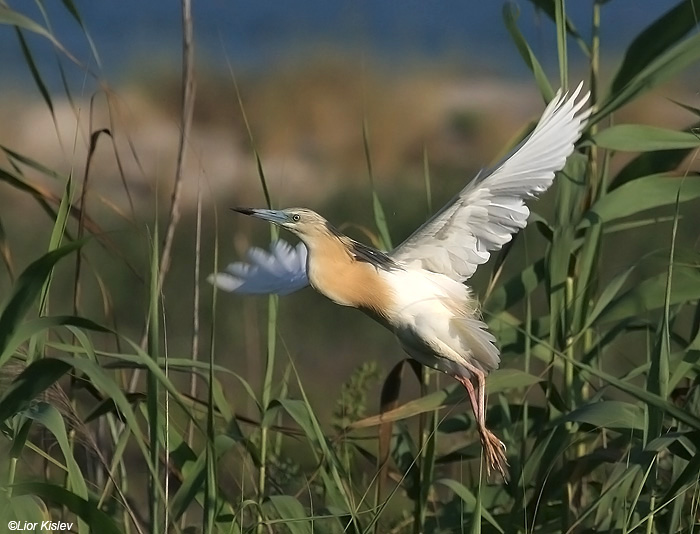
x=274 y=216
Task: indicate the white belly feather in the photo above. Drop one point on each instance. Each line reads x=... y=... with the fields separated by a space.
x=434 y=315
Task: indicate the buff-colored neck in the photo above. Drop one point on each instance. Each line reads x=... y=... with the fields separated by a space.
x=335 y=271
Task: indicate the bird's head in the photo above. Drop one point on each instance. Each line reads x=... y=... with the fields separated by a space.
x=305 y=223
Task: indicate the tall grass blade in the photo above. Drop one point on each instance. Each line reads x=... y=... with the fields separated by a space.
x=22 y=508
x=300 y=411
x=6 y=252
x=26 y=290
x=73 y=10
x=517 y=288
x=560 y=20
x=651 y=294
x=36 y=76
x=608 y=414
x=273 y=307
x=649 y=163
x=499 y=381
x=214 y=398
x=470 y=500
x=291 y=512
x=388 y=402
x=510 y=18
x=660 y=69
x=643 y=138
x=643 y=194
x=606 y=296
x=31 y=382
x=58 y=231
x=49 y=417
x=641 y=393
x=15 y=18
x=153 y=396
x=658 y=379
x=94 y=518
x=427 y=181
x=378 y=210
x=549 y=8
x=57 y=234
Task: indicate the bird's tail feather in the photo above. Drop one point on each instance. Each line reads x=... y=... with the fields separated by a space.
x=478 y=342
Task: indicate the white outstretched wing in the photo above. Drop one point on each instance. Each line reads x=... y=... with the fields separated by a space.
x=282 y=270
x=485 y=214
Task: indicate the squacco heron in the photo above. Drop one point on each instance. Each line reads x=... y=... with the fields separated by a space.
x=418 y=289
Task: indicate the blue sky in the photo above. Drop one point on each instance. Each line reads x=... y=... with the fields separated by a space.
x=259 y=34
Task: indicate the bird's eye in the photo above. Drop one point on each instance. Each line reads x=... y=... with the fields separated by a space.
x=296 y=217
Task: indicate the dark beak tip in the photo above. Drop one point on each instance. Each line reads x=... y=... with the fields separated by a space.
x=273 y=216
x=244 y=211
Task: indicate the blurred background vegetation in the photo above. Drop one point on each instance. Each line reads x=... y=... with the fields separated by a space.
x=96 y=140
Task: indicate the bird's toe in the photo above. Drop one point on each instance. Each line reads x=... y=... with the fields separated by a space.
x=495 y=452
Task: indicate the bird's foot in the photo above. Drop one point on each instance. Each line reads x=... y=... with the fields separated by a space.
x=495 y=453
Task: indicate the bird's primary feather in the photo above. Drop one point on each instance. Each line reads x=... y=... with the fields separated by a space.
x=485 y=214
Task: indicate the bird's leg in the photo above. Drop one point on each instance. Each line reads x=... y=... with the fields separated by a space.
x=494 y=449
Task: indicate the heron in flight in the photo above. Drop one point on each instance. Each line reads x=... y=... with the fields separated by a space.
x=418 y=289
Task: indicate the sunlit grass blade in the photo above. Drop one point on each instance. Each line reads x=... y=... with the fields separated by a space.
x=643 y=138
x=660 y=69
x=643 y=194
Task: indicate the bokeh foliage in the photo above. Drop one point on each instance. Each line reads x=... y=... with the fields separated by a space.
x=597 y=399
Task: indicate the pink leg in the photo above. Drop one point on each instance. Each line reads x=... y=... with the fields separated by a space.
x=494 y=449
